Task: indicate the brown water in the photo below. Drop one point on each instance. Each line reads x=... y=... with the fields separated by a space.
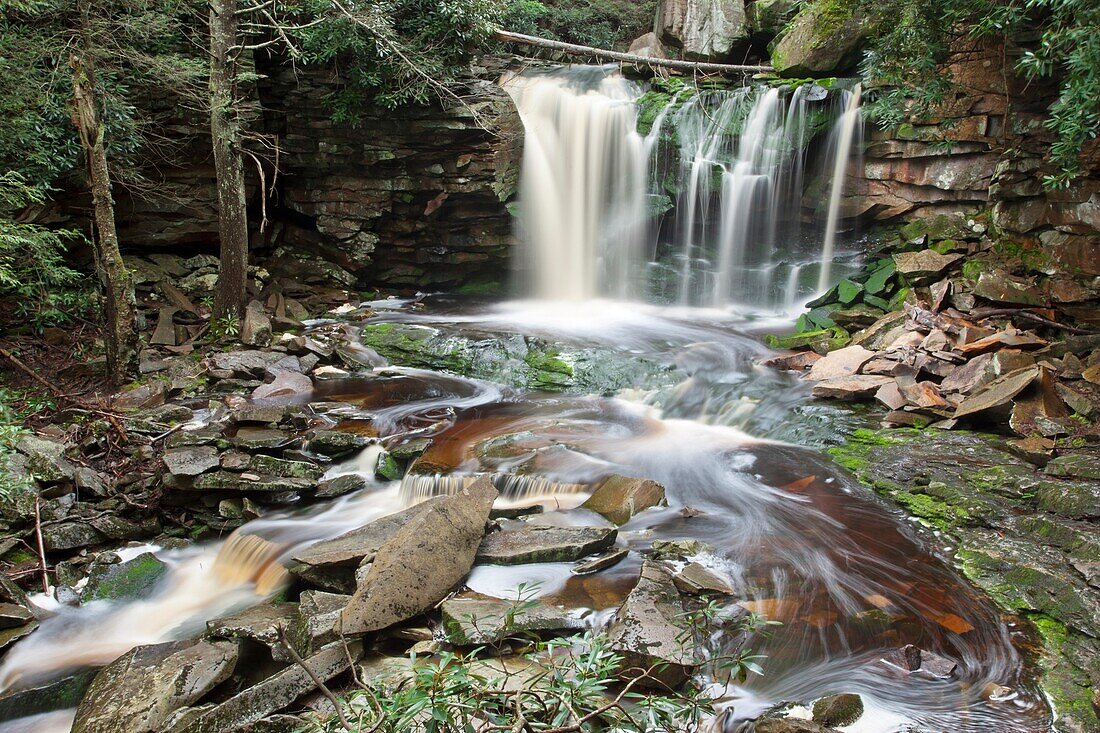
x=800 y=541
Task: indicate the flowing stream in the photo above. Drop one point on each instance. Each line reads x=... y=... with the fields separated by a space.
x=737 y=446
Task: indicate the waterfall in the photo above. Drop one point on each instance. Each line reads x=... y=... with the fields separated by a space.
x=847 y=126
x=733 y=161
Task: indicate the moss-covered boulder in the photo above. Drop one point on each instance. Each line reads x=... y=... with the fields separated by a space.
x=824 y=38
x=134 y=578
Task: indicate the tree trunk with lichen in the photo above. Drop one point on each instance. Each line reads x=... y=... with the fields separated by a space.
x=120 y=308
x=225 y=134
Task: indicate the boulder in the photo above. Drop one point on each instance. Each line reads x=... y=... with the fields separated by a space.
x=256 y=326
x=704 y=29
x=135 y=578
x=544 y=544
x=838 y=710
x=139 y=691
x=840 y=363
x=647 y=631
x=927 y=264
x=245 y=364
x=648 y=45
x=420 y=564
x=825 y=37
x=46 y=459
x=318 y=613
x=1001 y=287
x=789 y=725
x=618 y=498
x=983 y=369
x=63 y=692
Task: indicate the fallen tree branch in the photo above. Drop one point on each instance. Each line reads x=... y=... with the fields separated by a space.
x=1029 y=316
x=632 y=58
x=41 y=547
x=317 y=681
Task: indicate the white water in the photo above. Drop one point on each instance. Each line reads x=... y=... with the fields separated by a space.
x=740 y=162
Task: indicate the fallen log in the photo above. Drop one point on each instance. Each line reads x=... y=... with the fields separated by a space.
x=632 y=58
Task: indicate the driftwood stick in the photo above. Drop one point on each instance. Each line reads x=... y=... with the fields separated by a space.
x=317 y=681
x=41 y=547
x=632 y=58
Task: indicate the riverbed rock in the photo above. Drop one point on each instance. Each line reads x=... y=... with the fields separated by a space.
x=789 y=725
x=139 y=691
x=471 y=620
x=618 y=498
x=840 y=363
x=268 y=696
x=420 y=564
x=698 y=580
x=544 y=544
x=856 y=387
x=260 y=624
x=647 y=631
x=838 y=710
x=113 y=581
x=285 y=384
x=335 y=443
x=191 y=461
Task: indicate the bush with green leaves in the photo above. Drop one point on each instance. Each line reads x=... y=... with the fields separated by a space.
x=910 y=40
x=599 y=23
x=579 y=683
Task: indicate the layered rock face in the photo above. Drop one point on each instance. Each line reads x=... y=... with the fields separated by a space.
x=413 y=197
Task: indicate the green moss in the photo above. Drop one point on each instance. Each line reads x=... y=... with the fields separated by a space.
x=972 y=269
x=1069 y=688
x=938 y=513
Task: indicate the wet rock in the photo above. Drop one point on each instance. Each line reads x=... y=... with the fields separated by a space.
x=335 y=443
x=1037 y=451
x=260 y=624
x=618 y=498
x=331 y=563
x=191 y=461
x=11 y=635
x=228 y=481
x=285 y=384
x=139 y=691
x=997 y=393
x=200 y=436
x=698 y=580
x=912 y=658
x=788 y=725
x=272 y=694
x=544 y=544
x=423 y=561
x=983 y=369
x=602 y=562
x=58 y=694
x=271 y=466
x=857 y=387
x=797 y=362
x=388 y=468
x=470 y=621
x=256 y=326
x=340 y=485
x=13 y=616
x=838 y=710
x=135 y=578
x=679 y=549
x=1073 y=499
x=927 y=264
x=646 y=631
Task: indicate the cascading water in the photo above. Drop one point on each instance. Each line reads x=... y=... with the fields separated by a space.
x=733 y=161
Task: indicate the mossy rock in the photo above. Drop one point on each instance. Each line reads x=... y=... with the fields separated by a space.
x=135 y=578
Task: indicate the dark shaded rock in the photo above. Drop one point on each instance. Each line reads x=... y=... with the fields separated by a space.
x=646 y=631
x=58 y=694
x=271 y=695
x=12 y=615
x=618 y=498
x=255 y=326
x=544 y=544
x=1073 y=499
x=139 y=691
x=475 y=621
x=191 y=461
x=70 y=536
x=134 y=578
x=1001 y=287
x=423 y=561
x=838 y=710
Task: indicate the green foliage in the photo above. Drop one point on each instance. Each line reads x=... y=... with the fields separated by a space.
x=599 y=23
x=911 y=37
x=396 y=51
x=568 y=684
x=33 y=273
x=15 y=407
x=224 y=327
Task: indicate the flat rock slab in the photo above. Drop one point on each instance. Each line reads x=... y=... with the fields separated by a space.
x=840 y=363
x=544 y=544
x=927 y=263
x=1075 y=465
x=998 y=393
x=139 y=691
x=270 y=695
x=352 y=548
x=856 y=387
x=191 y=461
x=469 y=621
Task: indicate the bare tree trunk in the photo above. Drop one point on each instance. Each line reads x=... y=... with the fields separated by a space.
x=120 y=317
x=225 y=134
